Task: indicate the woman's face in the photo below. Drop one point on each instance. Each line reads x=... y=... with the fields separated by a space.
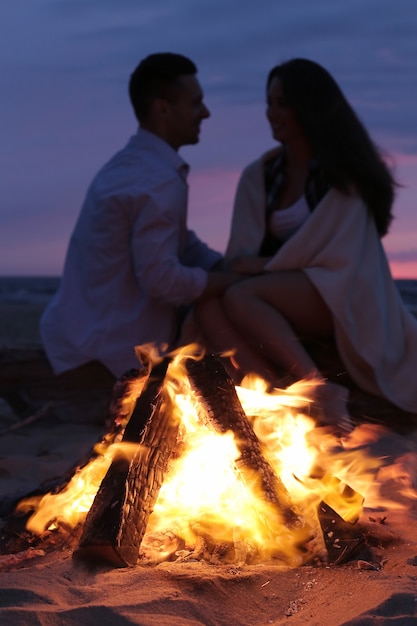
x=283 y=120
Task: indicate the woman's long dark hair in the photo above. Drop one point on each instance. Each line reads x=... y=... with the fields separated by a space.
x=338 y=139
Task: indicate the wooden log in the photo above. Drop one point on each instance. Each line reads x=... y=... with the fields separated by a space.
x=217 y=394
x=125 y=394
x=126 y=391
x=117 y=520
x=343 y=542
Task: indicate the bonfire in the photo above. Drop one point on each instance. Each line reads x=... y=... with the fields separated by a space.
x=194 y=467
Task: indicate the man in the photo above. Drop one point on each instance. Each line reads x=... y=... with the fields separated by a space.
x=132 y=263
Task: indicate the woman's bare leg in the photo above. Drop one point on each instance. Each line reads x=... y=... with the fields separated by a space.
x=271 y=311
x=222 y=337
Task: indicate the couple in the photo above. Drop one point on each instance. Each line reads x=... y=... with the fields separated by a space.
x=304 y=256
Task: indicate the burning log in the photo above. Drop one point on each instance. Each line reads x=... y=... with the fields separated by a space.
x=223 y=410
x=117 y=520
x=126 y=391
x=35 y=509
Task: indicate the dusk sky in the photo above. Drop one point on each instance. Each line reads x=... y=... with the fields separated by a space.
x=64 y=67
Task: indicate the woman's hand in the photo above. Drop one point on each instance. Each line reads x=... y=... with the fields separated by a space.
x=250 y=265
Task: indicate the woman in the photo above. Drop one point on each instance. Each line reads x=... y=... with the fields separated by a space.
x=307 y=224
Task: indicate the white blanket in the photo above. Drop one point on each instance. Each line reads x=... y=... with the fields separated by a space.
x=339 y=249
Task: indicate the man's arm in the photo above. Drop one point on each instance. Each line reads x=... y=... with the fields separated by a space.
x=157 y=240
x=196 y=253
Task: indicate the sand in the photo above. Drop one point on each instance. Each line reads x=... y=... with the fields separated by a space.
x=50 y=588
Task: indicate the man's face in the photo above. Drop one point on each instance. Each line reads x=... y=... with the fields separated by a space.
x=185 y=112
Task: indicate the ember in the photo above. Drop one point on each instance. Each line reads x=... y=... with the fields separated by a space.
x=195 y=468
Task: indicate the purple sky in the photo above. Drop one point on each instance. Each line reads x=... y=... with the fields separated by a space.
x=64 y=66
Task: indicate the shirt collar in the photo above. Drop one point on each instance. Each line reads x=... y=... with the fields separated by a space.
x=163 y=149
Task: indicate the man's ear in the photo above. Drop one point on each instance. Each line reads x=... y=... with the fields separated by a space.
x=161 y=107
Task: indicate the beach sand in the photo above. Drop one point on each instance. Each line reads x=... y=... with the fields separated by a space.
x=50 y=588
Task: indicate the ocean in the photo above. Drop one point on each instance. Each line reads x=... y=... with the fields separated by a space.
x=28 y=289
x=40 y=289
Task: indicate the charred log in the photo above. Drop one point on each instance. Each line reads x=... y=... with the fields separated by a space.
x=121 y=409
x=18 y=510
x=217 y=394
x=126 y=391
x=343 y=542
x=117 y=520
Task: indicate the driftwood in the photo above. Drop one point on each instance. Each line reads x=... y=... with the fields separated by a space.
x=118 y=517
x=38 y=415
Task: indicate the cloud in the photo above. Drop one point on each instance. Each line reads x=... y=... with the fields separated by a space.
x=404 y=255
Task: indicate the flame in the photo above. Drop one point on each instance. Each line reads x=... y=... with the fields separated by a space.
x=203 y=500
x=71 y=505
x=203 y=490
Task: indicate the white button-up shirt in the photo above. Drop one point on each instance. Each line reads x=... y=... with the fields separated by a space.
x=131 y=262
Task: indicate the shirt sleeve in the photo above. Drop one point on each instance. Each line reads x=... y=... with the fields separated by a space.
x=159 y=239
x=196 y=252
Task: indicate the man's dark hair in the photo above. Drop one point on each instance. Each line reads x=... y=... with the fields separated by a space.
x=157 y=77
